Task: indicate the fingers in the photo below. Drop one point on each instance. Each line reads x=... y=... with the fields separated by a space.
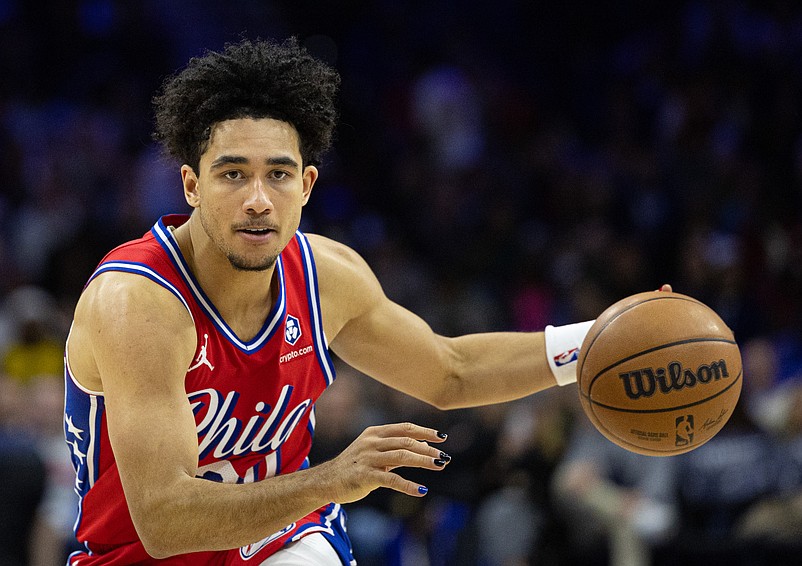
x=409 y=430
x=406 y=451
x=405 y=459
x=406 y=444
x=401 y=485
x=666 y=288
x=381 y=449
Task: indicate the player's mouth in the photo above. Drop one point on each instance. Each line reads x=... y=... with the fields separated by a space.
x=256 y=234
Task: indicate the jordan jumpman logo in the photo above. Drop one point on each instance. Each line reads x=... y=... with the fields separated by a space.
x=202 y=360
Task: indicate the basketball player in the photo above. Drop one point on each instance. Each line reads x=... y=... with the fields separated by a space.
x=197 y=352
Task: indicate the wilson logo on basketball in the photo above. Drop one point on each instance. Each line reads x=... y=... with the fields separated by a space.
x=647 y=381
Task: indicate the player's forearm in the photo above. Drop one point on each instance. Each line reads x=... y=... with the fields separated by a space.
x=194 y=514
x=494 y=368
x=197 y=515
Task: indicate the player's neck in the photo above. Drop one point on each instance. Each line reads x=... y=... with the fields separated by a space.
x=243 y=298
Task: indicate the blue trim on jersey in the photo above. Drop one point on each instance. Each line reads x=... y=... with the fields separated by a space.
x=82 y=420
x=333 y=530
x=272 y=323
x=83 y=417
x=313 y=297
x=310 y=428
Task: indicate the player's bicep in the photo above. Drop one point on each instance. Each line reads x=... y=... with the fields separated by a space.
x=374 y=334
x=143 y=341
x=392 y=344
x=396 y=347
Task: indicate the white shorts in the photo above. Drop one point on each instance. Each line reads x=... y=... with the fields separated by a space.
x=311 y=550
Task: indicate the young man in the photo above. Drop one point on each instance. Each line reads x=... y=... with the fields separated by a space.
x=197 y=352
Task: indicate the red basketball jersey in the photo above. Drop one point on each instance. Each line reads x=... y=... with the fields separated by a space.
x=253 y=403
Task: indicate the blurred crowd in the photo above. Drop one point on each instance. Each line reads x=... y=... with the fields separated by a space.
x=501 y=167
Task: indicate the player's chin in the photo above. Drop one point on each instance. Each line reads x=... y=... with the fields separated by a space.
x=263 y=263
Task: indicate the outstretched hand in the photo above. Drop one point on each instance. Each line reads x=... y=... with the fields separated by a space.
x=368 y=461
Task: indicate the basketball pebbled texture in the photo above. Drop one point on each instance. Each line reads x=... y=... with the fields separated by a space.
x=659 y=373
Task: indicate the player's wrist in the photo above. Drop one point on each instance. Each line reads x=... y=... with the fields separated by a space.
x=562 y=349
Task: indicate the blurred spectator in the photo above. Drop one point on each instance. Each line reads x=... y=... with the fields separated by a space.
x=514 y=522
x=31 y=413
x=35 y=345
x=768 y=400
x=23 y=476
x=509 y=526
x=773 y=523
x=715 y=485
x=619 y=505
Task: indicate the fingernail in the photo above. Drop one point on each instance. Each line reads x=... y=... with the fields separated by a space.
x=445 y=456
x=442 y=435
x=423 y=490
x=439 y=462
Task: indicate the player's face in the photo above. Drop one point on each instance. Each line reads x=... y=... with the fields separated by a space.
x=250 y=189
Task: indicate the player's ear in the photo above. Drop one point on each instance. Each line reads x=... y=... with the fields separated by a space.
x=309 y=178
x=190 y=181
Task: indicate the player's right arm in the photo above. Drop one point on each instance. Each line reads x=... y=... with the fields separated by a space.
x=133 y=340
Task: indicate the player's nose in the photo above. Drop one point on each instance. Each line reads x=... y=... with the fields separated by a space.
x=258 y=199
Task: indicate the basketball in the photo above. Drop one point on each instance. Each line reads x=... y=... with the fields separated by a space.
x=659 y=373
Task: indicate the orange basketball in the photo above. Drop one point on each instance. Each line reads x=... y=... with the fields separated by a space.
x=659 y=373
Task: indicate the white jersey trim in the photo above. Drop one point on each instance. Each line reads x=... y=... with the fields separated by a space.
x=68 y=369
x=314 y=309
x=171 y=245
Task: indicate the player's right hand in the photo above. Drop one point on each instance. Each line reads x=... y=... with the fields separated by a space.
x=369 y=461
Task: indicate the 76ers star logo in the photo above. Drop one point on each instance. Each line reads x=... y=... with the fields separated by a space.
x=292 y=330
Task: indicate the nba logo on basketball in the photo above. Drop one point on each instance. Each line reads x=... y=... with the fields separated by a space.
x=292 y=330
x=684 y=428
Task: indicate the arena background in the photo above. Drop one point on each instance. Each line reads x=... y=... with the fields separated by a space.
x=501 y=165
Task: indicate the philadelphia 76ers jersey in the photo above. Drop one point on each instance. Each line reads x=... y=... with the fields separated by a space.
x=253 y=403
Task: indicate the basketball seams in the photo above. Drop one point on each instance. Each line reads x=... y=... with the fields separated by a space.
x=584 y=355
x=624 y=443
x=667 y=409
x=654 y=349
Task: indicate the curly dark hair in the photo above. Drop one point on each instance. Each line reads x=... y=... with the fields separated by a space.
x=249 y=79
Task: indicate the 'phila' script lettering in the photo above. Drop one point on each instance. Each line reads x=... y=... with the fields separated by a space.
x=223 y=435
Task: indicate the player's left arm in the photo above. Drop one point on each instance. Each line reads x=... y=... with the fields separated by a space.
x=396 y=347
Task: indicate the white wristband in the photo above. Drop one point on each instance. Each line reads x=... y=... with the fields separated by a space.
x=562 y=349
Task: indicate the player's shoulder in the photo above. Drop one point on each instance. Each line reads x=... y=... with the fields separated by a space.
x=335 y=259
x=347 y=284
x=124 y=311
x=327 y=248
x=129 y=300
